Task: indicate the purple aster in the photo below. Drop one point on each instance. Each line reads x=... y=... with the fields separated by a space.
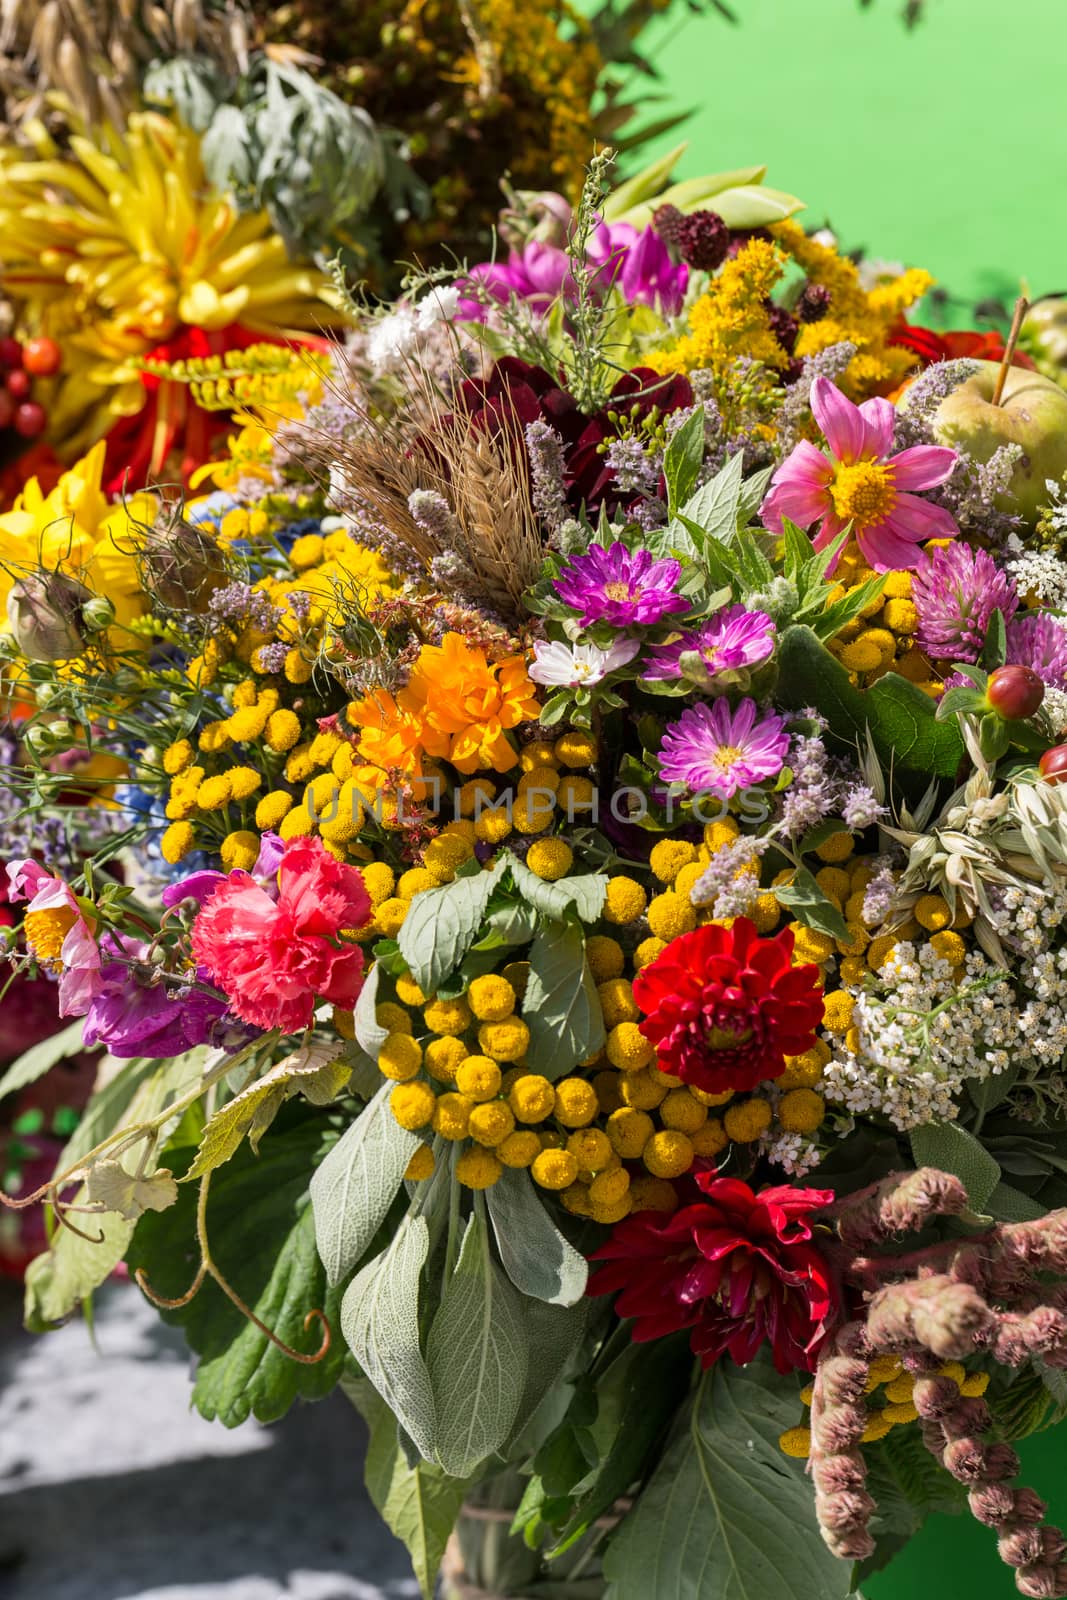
x=639 y=265
x=1039 y=640
x=718 y=751
x=956 y=591
x=617 y=586
x=729 y=640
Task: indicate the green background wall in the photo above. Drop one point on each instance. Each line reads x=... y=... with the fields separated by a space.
x=944 y=147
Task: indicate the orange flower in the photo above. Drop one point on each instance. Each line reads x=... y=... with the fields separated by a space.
x=389 y=737
x=464 y=705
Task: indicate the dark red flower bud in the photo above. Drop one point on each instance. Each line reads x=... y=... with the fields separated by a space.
x=1015 y=692
x=783 y=326
x=702 y=239
x=665 y=220
x=813 y=304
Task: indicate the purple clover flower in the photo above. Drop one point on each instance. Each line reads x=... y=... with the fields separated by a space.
x=617 y=586
x=956 y=591
x=728 y=641
x=713 y=749
x=1039 y=640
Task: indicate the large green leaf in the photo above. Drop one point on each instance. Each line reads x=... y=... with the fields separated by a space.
x=950 y=1148
x=537 y=1258
x=353 y=1188
x=314 y=1068
x=38 y=1060
x=726 y=1514
x=907 y=1484
x=419 y=1503
x=561 y=1006
x=441 y=925
x=585 y=892
x=262 y=1237
x=476 y=1354
x=900 y=717
x=380 y=1322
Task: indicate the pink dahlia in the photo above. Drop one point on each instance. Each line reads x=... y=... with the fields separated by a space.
x=739 y=1268
x=274 y=958
x=714 y=750
x=724 y=1007
x=860 y=482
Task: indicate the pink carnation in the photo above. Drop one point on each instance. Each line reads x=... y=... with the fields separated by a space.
x=274 y=958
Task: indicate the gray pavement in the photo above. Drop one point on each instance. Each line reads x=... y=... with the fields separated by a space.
x=112 y=1488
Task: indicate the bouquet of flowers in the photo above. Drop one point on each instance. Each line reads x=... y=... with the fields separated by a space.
x=573 y=903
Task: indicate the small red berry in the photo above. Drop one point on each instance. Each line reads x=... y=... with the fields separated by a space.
x=1014 y=692
x=10 y=353
x=41 y=356
x=18 y=383
x=30 y=419
x=1053 y=764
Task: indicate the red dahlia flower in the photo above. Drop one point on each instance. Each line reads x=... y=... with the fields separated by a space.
x=724 y=1007
x=738 y=1268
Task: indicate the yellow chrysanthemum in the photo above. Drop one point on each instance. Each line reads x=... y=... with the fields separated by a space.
x=115 y=247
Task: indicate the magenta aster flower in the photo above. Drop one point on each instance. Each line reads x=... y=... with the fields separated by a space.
x=1039 y=640
x=729 y=640
x=639 y=265
x=711 y=748
x=956 y=590
x=860 y=482
x=616 y=585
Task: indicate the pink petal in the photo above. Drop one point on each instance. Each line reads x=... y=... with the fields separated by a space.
x=879 y=417
x=924 y=466
x=886 y=550
x=842 y=425
x=918 y=519
x=799 y=491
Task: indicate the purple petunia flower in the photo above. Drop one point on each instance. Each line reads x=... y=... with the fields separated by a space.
x=613 y=585
x=731 y=639
x=1039 y=640
x=956 y=591
x=711 y=748
x=130 y=1018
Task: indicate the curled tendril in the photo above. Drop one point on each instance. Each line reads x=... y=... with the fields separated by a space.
x=208 y=1269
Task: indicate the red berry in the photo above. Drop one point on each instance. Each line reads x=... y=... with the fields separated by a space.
x=18 y=383
x=1053 y=764
x=41 y=356
x=30 y=419
x=1014 y=692
x=10 y=353
x=7 y=409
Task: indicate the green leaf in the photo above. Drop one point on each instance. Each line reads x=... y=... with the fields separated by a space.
x=586 y=893
x=561 y=1006
x=442 y=924
x=714 y=507
x=314 y=1068
x=36 y=1061
x=726 y=1513
x=138 y=1090
x=130 y=1194
x=838 y=613
x=418 y=1504
x=901 y=718
x=1008 y=1204
x=537 y=1258
x=683 y=459
x=995 y=649
x=476 y=1354
x=950 y=1148
x=753 y=490
x=72 y=1267
x=370 y=1035
x=380 y=1322
x=908 y=1485
x=811 y=907
x=262 y=1238
x=352 y=1190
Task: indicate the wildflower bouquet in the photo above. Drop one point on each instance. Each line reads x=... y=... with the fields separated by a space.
x=574 y=912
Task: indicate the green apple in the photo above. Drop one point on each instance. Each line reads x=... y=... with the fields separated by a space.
x=1032 y=413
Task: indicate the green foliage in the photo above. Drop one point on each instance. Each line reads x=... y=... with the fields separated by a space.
x=809 y=905
x=442 y=924
x=353 y=1188
x=41 y=1057
x=951 y=1148
x=262 y=1238
x=419 y=1503
x=683 y=459
x=561 y=1006
x=537 y=1258
x=1027 y=1401
x=908 y=1485
x=313 y=1069
x=725 y=1512
x=476 y=1355
x=585 y=892
x=900 y=718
